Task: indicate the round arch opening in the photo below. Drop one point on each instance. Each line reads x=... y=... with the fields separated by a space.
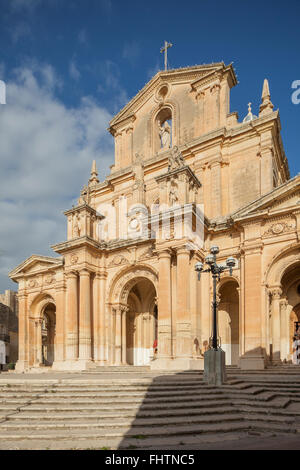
x=48 y=334
x=141 y=323
x=228 y=315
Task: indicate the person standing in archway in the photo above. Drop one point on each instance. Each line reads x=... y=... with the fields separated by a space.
x=155 y=349
x=296 y=347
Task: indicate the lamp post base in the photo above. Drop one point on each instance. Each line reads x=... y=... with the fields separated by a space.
x=214 y=367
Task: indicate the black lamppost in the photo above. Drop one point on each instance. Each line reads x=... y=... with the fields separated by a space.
x=216 y=270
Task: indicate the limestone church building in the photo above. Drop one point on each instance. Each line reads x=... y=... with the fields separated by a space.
x=188 y=175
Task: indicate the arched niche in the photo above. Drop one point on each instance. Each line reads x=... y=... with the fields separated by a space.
x=164 y=124
x=165 y=111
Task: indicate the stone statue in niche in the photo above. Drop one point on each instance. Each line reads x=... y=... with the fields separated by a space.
x=165 y=135
x=176 y=160
x=84 y=195
x=173 y=197
x=76 y=226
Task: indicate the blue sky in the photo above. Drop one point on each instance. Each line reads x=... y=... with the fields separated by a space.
x=70 y=65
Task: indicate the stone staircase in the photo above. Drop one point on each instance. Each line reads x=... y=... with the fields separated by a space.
x=148 y=412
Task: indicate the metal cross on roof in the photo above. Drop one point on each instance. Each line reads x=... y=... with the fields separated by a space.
x=165 y=50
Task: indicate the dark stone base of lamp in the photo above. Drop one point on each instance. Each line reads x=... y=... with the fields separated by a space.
x=214 y=367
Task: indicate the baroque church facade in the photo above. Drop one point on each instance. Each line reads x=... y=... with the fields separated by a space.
x=187 y=176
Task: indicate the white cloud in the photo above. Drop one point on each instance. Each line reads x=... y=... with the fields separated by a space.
x=45 y=157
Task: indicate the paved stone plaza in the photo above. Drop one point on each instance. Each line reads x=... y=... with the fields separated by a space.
x=139 y=409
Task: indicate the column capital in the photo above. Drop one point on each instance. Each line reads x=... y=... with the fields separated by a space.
x=22 y=295
x=182 y=250
x=60 y=287
x=71 y=274
x=275 y=292
x=120 y=308
x=164 y=253
x=101 y=275
x=85 y=272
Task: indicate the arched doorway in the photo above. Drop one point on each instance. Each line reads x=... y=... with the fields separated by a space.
x=229 y=321
x=293 y=327
x=141 y=323
x=48 y=334
x=132 y=315
x=289 y=312
x=283 y=281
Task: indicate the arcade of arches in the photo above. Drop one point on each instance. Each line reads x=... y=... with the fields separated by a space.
x=131 y=327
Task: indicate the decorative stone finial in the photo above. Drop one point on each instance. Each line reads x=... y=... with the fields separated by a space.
x=266 y=106
x=94 y=174
x=250 y=116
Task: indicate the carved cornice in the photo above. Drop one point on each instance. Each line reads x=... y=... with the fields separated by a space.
x=181 y=74
x=127 y=121
x=179 y=171
x=83 y=207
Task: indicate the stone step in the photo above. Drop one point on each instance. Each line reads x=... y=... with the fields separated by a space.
x=86 y=434
x=99 y=400
x=139 y=421
x=138 y=398
x=119 y=423
x=112 y=389
x=134 y=393
x=96 y=415
x=125 y=443
x=276 y=402
x=33 y=407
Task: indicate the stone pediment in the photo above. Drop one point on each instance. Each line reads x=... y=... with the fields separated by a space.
x=280 y=199
x=35 y=264
x=194 y=75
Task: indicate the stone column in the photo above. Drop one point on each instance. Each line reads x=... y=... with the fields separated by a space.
x=38 y=342
x=124 y=345
x=183 y=321
x=59 y=347
x=22 y=363
x=112 y=335
x=72 y=316
x=164 y=305
x=253 y=357
x=266 y=169
x=216 y=194
x=284 y=331
x=96 y=315
x=276 y=294
x=85 y=316
x=118 y=336
x=102 y=326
